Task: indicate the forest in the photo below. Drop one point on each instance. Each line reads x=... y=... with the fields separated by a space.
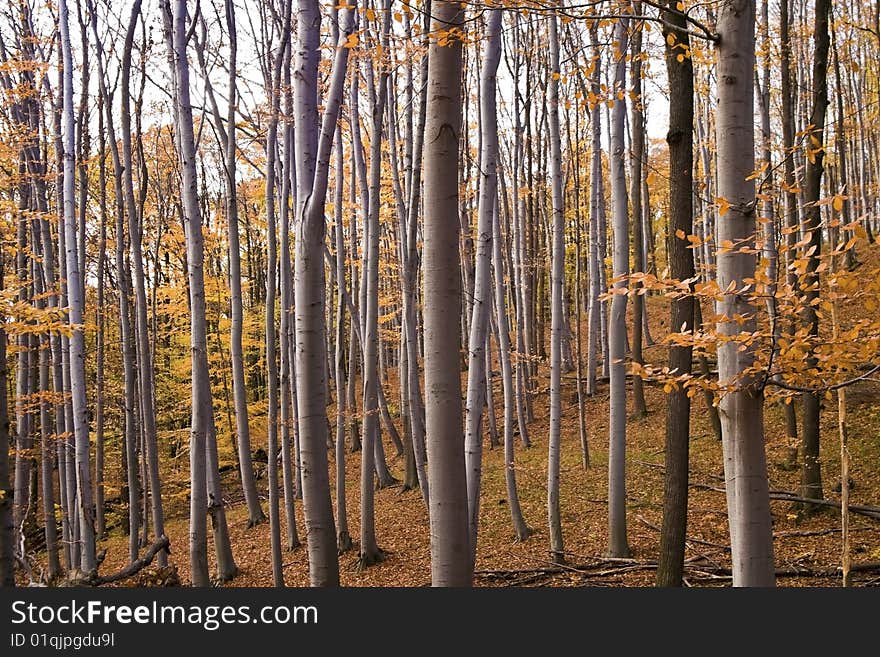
x=421 y=292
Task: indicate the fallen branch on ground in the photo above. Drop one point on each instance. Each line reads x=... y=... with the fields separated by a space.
x=93 y=579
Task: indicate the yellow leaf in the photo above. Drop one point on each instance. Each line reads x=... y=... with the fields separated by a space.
x=370 y=14
x=837 y=203
x=723 y=205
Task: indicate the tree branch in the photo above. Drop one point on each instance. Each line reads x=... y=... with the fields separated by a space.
x=835 y=386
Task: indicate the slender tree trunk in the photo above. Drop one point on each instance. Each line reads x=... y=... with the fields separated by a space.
x=142 y=337
x=482 y=301
x=350 y=392
x=811 y=474
x=123 y=283
x=239 y=387
x=450 y=565
x=76 y=300
x=742 y=421
x=578 y=294
x=43 y=391
x=343 y=538
x=595 y=266
x=202 y=433
x=637 y=149
x=788 y=181
x=369 y=549
x=312 y=164
x=100 y=523
x=557 y=284
x=271 y=275
x=288 y=372
x=23 y=437
x=7 y=529
x=520 y=528
x=416 y=401
x=680 y=140
x=617 y=540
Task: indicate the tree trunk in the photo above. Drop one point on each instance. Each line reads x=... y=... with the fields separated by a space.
x=100 y=524
x=202 y=451
x=482 y=300
x=742 y=421
x=557 y=284
x=312 y=164
x=289 y=400
x=410 y=311
x=450 y=565
x=680 y=139
x=343 y=538
x=142 y=339
x=811 y=473
x=270 y=327
x=239 y=387
x=595 y=262
x=43 y=389
x=370 y=457
x=76 y=299
x=7 y=529
x=637 y=150
x=23 y=437
x=617 y=541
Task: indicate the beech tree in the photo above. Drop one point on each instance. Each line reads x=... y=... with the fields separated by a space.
x=482 y=306
x=205 y=495
x=742 y=421
x=450 y=546
x=312 y=163
x=617 y=540
x=557 y=284
x=76 y=298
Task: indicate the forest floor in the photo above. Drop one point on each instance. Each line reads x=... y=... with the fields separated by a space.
x=807 y=550
x=812 y=544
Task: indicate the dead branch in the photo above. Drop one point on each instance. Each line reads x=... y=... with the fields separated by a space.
x=93 y=579
x=866 y=510
x=688 y=539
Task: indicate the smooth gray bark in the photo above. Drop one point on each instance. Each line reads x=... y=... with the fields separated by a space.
x=127 y=346
x=595 y=263
x=271 y=275
x=482 y=301
x=76 y=300
x=343 y=538
x=146 y=383
x=369 y=549
x=450 y=565
x=742 y=421
x=557 y=284
x=617 y=540
x=312 y=162
x=205 y=495
x=288 y=371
